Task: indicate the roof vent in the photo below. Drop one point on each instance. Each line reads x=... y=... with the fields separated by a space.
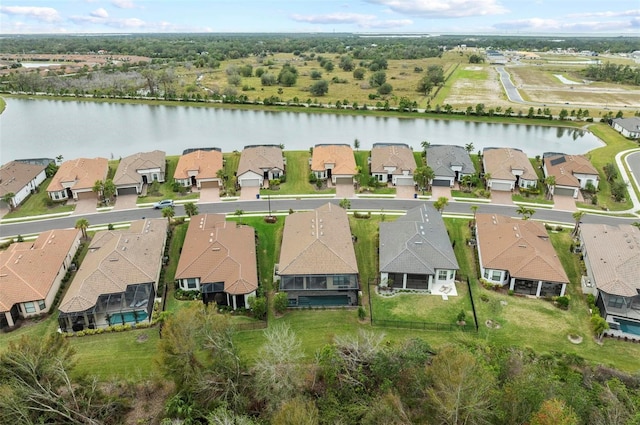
x=216 y=248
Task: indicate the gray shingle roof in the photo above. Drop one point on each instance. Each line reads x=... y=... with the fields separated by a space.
x=416 y=243
x=442 y=157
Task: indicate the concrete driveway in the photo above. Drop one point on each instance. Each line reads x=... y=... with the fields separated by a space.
x=345 y=190
x=440 y=191
x=405 y=192
x=209 y=194
x=501 y=197
x=84 y=206
x=564 y=203
x=125 y=202
x=249 y=193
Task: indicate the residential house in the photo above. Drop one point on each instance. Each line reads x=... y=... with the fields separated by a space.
x=612 y=259
x=259 y=164
x=518 y=253
x=317 y=263
x=219 y=259
x=199 y=168
x=118 y=279
x=333 y=162
x=450 y=163
x=628 y=127
x=571 y=173
x=416 y=253
x=508 y=169
x=75 y=179
x=31 y=273
x=139 y=169
x=21 y=179
x=392 y=163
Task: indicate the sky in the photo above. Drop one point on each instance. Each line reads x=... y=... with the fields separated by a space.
x=322 y=16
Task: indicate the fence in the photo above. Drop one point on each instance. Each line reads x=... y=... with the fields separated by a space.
x=425 y=326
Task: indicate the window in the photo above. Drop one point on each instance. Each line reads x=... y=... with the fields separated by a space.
x=486 y=274
x=442 y=274
x=318 y=282
x=41 y=305
x=496 y=276
x=192 y=283
x=29 y=307
x=615 y=302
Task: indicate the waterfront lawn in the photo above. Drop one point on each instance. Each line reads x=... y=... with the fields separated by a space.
x=166 y=189
x=36 y=204
x=177 y=241
x=297 y=176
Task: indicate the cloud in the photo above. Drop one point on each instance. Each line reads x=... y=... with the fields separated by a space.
x=361 y=20
x=567 y=25
x=43 y=14
x=623 y=13
x=100 y=13
x=443 y=8
x=123 y=4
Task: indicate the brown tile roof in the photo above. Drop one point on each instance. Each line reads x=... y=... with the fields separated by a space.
x=29 y=269
x=340 y=155
x=613 y=252
x=216 y=250
x=15 y=175
x=257 y=158
x=500 y=162
x=205 y=164
x=317 y=242
x=563 y=167
x=83 y=171
x=520 y=246
x=117 y=258
x=396 y=155
x=127 y=172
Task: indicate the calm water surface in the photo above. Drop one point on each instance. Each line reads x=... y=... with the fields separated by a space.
x=47 y=128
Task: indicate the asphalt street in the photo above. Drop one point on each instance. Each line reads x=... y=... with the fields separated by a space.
x=283 y=205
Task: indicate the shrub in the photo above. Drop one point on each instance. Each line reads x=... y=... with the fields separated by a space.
x=258 y=306
x=280 y=302
x=362 y=313
x=563 y=302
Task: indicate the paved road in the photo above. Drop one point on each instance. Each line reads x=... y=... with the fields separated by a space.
x=104 y=218
x=512 y=92
x=633 y=160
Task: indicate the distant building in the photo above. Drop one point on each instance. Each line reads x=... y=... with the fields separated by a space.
x=628 y=127
x=21 y=179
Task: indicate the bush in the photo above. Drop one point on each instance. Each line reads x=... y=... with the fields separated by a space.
x=362 y=313
x=563 y=302
x=258 y=307
x=280 y=302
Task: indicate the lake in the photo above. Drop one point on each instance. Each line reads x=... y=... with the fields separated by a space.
x=48 y=128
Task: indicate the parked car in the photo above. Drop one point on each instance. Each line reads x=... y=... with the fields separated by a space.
x=164 y=203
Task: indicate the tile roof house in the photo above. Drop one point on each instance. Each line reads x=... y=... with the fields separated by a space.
x=31 y=273
x=571 y=173
x=519 y=253
x=628 y=127
x=139 y=169
x=450 y=163
x=333 y=162
x=260 y=163
x=199 y=168
x=219 y=259
x=612 y=259
x=21 y=179
x=392 y=163
x=416 y=253
x=118 y=278
x=76 y=178
x=509 y=169
x=317 y=263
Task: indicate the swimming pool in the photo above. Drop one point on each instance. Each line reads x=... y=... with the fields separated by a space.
x=629 y=327
x=128 y=317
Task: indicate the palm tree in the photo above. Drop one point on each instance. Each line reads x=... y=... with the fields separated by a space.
x=474 y=208
x=82 y=224
x=550 y=181
x=441 y=203
x=577 y=216
x=190 y=209
x=423 y=176
x=525 y=212
x=8 y=199
x=425 y=145
x=469 y=147
x=168 y=213
x=356 y=144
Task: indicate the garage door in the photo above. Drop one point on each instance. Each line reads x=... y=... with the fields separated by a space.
x=441 y=182
x=500 y=186
x=86 y=195
x=127 y=191
x=563 y=191
x=208 y=184
x=405 y=181
x=250 y=183
x=344 y=180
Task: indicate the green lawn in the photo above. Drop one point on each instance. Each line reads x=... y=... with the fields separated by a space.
x=166 y=188
x=297 y=172
x=539 y=199
x=231 y=162
x=36 y=204
x=177 y=240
